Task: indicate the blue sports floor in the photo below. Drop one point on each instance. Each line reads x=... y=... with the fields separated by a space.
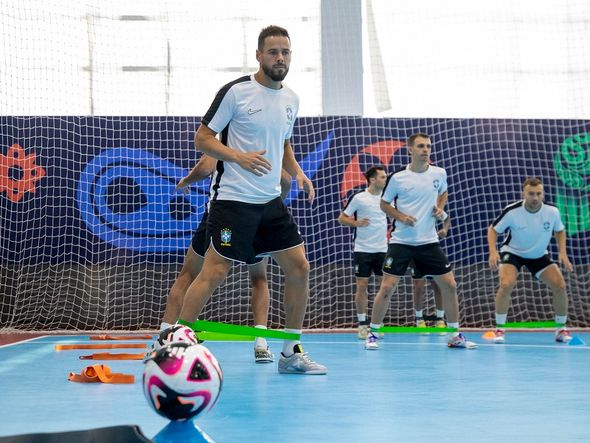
x=413 y=389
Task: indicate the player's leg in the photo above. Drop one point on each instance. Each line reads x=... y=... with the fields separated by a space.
x=361 y=301
x=440 y=310
x=213 y=272
x=419 y=288
x=260 y=305
x=552 y=277
x=507 y=274
x=295 y=268
x=190 y=269
x=380 y=306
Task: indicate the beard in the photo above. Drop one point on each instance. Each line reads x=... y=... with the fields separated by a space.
x=275 y=75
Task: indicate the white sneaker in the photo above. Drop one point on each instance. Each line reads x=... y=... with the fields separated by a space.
x=372 y=342
x=263 y=355
x=458 y=340
x=300 y=363
x=562 y=336
x=499 y=336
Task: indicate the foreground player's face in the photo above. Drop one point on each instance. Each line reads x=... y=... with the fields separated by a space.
x=275 y=57
x=533 y=197
x=421 y=149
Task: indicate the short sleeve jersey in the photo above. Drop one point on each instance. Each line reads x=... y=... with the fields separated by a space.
x=415 y=194
x=371 y=238
x=528 y=233
x=251 y=117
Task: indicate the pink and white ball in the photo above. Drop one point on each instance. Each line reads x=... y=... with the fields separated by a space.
x=182 y=380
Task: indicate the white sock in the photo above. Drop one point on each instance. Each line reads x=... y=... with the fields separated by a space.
x=375 y=326
x=164 y=325
x=440 y=313
x=501 y=320
x=561 y=320
x=419 y=314
x=453 y=325
x=260 y=341
x=288 y=345
x=361 y=317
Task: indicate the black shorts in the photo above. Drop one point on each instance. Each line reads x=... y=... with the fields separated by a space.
x=428 y=259
x=534 y=265
x=199 y=242
x=415 y=274
x=244 y=232
x=366 y=263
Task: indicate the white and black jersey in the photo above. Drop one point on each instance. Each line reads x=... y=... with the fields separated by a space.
x=527 y=233
x=415 y=194
x=251 y=117
x=371 y=238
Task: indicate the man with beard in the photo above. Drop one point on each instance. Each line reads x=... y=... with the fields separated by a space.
x=255 y=115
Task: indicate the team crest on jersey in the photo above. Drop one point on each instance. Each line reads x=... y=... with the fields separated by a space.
x=289 y=114
x=506 y=258
x=226 y=237
x=388 y=263
x=436 y=183
x=546 y=226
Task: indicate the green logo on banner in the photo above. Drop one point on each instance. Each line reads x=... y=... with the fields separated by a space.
x=572 y=166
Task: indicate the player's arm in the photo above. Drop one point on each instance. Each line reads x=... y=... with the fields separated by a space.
x=438 y=211
x=560 y=237
x=203 y=169
x=393 y=213
x=285 y=184
x=292 y=167
x=348 y=220
x=444 y=230
x=494 y=256
x=207 y=142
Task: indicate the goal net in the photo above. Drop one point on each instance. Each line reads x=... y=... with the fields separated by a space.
x=95 y=132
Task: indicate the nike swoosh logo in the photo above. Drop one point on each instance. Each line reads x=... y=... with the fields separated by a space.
x=253 y=111
x=447 y=265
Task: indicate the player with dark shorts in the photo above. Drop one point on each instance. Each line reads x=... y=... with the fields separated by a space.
x=529 y=225
x=418 y=192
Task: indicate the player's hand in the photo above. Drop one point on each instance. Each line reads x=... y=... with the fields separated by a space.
x=442 y=233
x=305 y=184
x=363 y=222
x=254 y=162
x=493 y=260
x=182 y=186
x=438 y=213
x=407 y=219
x=566 y=263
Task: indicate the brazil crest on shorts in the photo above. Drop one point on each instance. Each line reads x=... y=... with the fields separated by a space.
x=226 y=237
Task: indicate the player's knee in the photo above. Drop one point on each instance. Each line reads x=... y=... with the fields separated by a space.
x=299 y=270
x=506 y=285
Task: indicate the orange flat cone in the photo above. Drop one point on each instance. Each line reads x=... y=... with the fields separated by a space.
x=488 y=335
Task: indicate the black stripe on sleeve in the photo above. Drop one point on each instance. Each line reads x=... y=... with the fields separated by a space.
x=219 y=97
x=506 y=210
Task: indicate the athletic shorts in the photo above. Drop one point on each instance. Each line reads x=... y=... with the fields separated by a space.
x=366 y=263
x=428 y=259
x=534 y=265
x=199 y=241
x=245 y=232
x=415 y=274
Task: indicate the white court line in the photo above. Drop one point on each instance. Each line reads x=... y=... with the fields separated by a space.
x=20 y=342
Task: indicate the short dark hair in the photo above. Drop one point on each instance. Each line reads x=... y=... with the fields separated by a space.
x=271 y=31
x=372 y=172
x=532 y=181
x=413 y=137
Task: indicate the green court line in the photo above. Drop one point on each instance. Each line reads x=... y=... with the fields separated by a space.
x=223 y=328
x=413 y=329
x=218 y=336
x=531 y=324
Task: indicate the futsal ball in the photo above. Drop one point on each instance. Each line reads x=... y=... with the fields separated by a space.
x=174 y=334
x=182 y=380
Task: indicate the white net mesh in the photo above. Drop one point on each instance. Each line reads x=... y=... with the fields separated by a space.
x=93 y=234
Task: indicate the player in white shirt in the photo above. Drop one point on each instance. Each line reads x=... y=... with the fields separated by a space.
x=247 y=218
x=529 y=225
x=417 y=192
x=363 y=213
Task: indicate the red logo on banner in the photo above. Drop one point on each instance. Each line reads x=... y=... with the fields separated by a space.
x=353 y=176
x=30 y=173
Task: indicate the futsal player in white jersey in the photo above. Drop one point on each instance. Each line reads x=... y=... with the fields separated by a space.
x=363 y=213
x=529 y=225
x=417 y=191
x=193 y=261
x=255 y=115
